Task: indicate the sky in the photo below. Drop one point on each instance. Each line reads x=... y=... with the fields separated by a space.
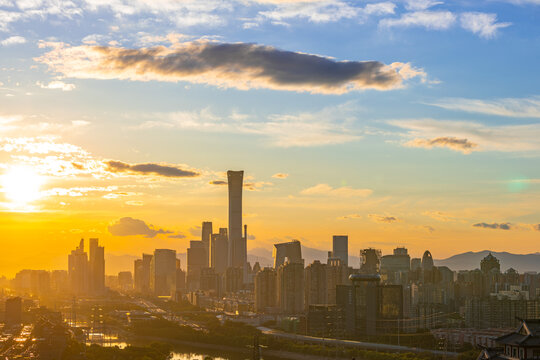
x=400 y=123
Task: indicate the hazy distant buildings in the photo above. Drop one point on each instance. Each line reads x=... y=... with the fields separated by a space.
x=234 y=279
x=237 y=243
x=196 y=261
x=141 y=274
x=292 y=251
x=125 y=281
x=340 y=248
x=219 y=247
x=163 y=272
x=13 y=311
x=266 y=290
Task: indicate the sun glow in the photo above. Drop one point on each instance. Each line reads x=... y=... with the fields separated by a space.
x=21 y=185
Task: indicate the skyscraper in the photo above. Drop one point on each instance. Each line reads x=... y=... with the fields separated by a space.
x=289 y=250
x=141 y=274
x=237 y=243
x=13 y=313
x=78 y=270
x=290 y=277
x=196 y=261
x=219 y=247
x=265 y=290
x=206 y=236
x=340 y=248
x=163 y=272
x=96 y=267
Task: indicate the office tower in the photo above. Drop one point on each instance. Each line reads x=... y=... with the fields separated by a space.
x=141 y=274
x=163 y=272
x=266 y=290
x=125 y=281
x=336 y=274
x=78 y=270
x=427 y=261
x=370 y=261
x=490 y=263
x=234 y=279
x=96 y=267
x=210 y=281
x=340 y=248
x=219 y=248
x=416 y=264
x=196 y=261
x=206 y=235
x=396 y=267
x=290 y=277
x=365 y=292
x=180 y=280
x=237 y=243
x=13 y=313
x=316 y=284
x=289 y=250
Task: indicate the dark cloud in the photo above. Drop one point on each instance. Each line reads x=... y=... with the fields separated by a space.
x=383 y=219
x=149 y=169
x=251 y=237
x=463 y=145
x=536 y=227
x=240 y=65
x=128 y=226
x=177 y=236
x=195 y=231
x=218 y=182
x=501 y=226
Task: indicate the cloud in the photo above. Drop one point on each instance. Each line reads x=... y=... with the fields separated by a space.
x=344 y=191
x=439 y=215
x=128 y=226
x=482 y=24
x=218 y=182
x=461 y=145
x=280 y=176
x=383 y=218
x=195 y=231
x=501 y=226
x=57 y=85
x=536 y=227
x=420 y=4
x=239 y=65
x=507 y=138
x=433 y=20
x=250 y=185
x=252 y=237
x=13 y=40
x=350 y=217
x=177 y=236
x=149 y=169
x=510 y=107
x=429 y=228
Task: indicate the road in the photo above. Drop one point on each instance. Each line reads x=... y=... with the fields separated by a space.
x=351 y=343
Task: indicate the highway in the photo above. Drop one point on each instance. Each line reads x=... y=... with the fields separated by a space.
x=352 y=343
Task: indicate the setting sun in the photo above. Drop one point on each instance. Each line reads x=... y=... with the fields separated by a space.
x=21 y=185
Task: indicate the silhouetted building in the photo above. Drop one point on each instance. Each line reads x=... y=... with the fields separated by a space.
x=206 y=235
x=316 y=284
x=371 y=259
x=219 y=248
x=292 y=251
x=59 y=281
x=78 y=270
x=237 y=243
x=96 y=267
x=234 y=279
x=340 y=248
x=13 y=311
x=141 y=274
x=396 y=267
x=163 y=272
x=490 y=263
x=427 y=261
x=291 y=287
x=196 y=260
x=266 y=290
x=125 y=281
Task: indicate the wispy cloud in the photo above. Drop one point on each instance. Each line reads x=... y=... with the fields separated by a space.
x=510 y=138
x=511 y=107
x=482 y=24
x=501 y=226
x=280 y=176
x=439 y=215
x=383 y=218
x=239 y=65
x=350 y=217
x=433 y=20
x=128 y=226
x=13 y=40
x=57 y=85
x=165 y=170
x=344 y=191
x=461 y=145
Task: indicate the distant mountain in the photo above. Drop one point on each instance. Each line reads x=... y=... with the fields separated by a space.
x=471 y=260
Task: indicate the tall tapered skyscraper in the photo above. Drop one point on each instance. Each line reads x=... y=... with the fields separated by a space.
x=237 y=243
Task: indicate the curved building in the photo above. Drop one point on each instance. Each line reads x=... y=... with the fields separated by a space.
x=427 y=261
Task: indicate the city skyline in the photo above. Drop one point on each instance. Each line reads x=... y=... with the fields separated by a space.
x=398 y=123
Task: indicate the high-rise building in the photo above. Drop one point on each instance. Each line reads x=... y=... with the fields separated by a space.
x=13 y=313
x=96 y=267
x=141 y=274
x=219 y=248
x=206 y=236
x=125 y=281
x=371 y=259
x=266 y=290
x=292 y=251
x=163 y=272
x=196 y=261
x=78 y=271
x=340 y=248
x=290 y=287
x=397 y=266
x=234 y=279
x=336 y=274
x=59 y=281
x=237 y=242
x=427 y=261
x=316 y=284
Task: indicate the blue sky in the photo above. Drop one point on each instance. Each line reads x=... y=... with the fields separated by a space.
x=448 y=140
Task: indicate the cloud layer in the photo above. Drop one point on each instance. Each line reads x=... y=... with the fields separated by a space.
x=462 y=145
x=149 y=169
x=238 y=65
x=128 y=226
x=501 y=226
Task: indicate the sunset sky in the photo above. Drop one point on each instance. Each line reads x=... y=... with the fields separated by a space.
x=400 y=123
